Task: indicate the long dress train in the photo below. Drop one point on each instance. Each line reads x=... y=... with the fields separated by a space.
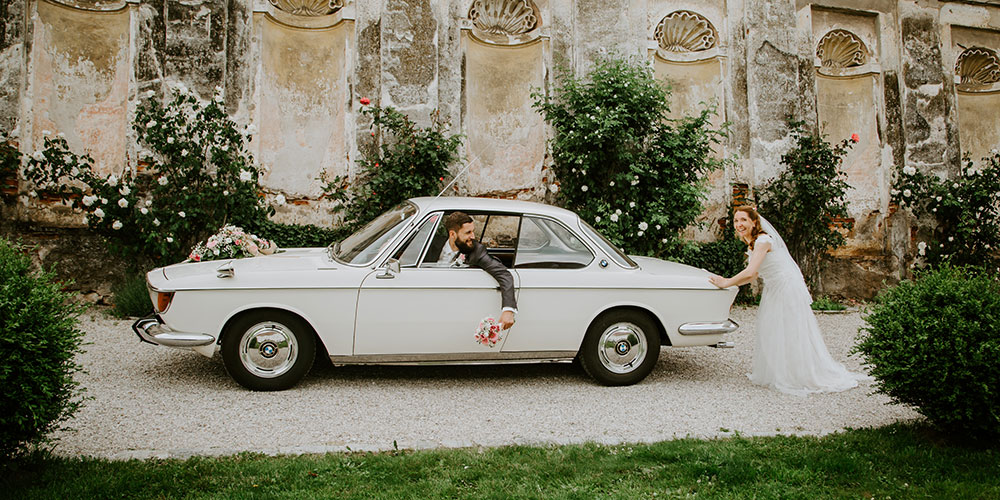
x=789 y=353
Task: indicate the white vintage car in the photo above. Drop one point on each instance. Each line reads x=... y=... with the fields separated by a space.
x=378 y=297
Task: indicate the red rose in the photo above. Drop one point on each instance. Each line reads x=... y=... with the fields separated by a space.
x=365 y=101
x=855 y=138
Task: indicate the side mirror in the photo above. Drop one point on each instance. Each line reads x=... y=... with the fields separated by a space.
x=390 y=270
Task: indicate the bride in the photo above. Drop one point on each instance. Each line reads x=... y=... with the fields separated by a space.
x=789 y=354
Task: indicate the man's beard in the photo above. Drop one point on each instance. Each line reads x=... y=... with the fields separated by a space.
x=464 y=246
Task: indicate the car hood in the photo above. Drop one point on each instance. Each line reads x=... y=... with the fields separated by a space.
x=293 y=259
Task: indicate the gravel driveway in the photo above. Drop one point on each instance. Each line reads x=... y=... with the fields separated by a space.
x=152 y=401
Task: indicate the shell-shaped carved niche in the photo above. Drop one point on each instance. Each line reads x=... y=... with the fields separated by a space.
x=977 y=67
x=309 y=7
x=840 y=49
x=504 y=17
x=685 y=31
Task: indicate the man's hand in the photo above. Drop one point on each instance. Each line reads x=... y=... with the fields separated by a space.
x=507 y=319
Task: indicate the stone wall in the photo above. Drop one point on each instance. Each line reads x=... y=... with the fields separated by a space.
x=917 y=80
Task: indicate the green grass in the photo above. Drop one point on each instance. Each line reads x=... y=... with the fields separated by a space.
x=899 y=461
x=827 y=304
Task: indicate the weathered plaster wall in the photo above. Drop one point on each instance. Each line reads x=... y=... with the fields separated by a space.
x=78 y=67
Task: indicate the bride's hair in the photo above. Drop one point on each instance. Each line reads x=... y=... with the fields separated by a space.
x=756 y=230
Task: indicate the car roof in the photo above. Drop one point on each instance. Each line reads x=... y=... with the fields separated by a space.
x=470 y=204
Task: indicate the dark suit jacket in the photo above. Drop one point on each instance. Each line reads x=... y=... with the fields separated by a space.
x=479 y=258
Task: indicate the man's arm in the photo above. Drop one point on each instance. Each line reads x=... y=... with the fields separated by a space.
x=479 y=258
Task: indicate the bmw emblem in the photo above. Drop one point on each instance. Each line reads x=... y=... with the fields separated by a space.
x=268 y=349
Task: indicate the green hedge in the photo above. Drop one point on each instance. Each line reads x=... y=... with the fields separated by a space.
x=39 y=339
x=294 y=235
x=934 y=343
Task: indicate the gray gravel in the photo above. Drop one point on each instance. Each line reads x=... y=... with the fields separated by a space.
x=152 y=401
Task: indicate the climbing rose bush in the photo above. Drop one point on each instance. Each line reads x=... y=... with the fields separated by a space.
x=195 y=175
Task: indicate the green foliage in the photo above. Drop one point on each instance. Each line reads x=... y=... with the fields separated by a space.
x=199 y=176
x=39 y=338
x=411 y=161
x=807 y=196
x=627 y=170
x=295 y=235
x=827 y=304
x=898 y=461
x=966 y=211
x=131 y=297
x=934 y=343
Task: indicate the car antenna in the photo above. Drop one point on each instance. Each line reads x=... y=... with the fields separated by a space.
x=464 y=170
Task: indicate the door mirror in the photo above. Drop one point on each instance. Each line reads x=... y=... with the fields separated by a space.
x=390 y=270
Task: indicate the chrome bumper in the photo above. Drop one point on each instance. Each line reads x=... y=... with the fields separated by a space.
x=151 y=329
x=708 y=328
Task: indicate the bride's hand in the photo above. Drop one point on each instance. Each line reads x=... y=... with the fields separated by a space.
x=718 y=281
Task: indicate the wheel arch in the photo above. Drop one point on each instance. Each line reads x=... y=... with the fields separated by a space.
x=639 y=309
x=236 y=315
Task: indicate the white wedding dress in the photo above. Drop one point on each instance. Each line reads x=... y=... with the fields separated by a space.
x=789 y=353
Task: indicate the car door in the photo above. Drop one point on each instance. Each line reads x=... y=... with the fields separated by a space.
x=429 y=311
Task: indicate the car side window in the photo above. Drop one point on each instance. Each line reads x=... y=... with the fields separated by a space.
x=546 y=244
x=408 y=254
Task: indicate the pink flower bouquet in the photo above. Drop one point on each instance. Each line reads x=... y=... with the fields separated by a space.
x=231 y=242
x=489 y=332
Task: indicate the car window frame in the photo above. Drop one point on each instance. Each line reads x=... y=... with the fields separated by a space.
x=578 y=236
x=412 y=234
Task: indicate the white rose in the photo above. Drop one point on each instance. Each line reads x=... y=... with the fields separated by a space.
x=89 y=200
x=99 y=213
x=245 y=175
x=922 y=245
x=123 y=203
x=125 y=190
x=938 y=198
x=951 y=238
x=184 y=152
x=104 y=201
x=612 y=183
x=151 y=124
x=112 y=180
x=631 y=204
x=643 y=226
x=640 y=233
x=182 y=214
x=597 y=219
x=657 y=227
x=162 y=180
x=584 y=188
x=614 y=217
x=38 y=155
x=116 y=225
x=618 y=211
x=554 y=188
x=143 y=211
x=280 y=199
x=170 y=140
x=955 y=185
x=906 y=193
x=156 y=222
x=225 y=192
x=149 y=203
x=170 y=239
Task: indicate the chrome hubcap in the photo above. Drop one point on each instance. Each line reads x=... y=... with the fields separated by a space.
x=622 y=347
x=268 y=349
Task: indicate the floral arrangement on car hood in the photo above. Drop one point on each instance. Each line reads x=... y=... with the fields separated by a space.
x=231 y=242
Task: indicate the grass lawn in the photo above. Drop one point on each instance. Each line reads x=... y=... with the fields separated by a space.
x=899 y=461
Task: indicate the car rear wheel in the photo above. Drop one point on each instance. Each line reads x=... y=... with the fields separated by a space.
x=621 y=348
x=268 y=350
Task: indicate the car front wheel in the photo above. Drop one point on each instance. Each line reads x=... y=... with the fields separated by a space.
x=621 y=348
x=268 y=350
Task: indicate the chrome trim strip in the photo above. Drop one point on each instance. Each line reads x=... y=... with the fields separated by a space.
x=708 y=328
x=465 y=358
x=151 y=330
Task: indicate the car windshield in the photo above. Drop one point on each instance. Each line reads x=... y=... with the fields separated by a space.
x=364 y=245
x=614 y=252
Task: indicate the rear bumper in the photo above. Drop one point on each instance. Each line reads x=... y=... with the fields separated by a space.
x=150 y=329
x=708 y=328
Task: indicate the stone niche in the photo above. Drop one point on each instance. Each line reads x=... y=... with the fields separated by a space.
x=80 y=78
x=504 y=55
x=302 y=100
x=848 y=81
x=976 y=56
x=689 y=57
